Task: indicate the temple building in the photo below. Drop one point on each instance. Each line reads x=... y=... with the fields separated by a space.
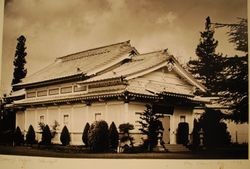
x=112 y=83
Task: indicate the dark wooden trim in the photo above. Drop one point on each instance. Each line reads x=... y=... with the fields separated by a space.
x=67 y=79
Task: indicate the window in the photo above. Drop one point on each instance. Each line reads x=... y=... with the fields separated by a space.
x=98 y=116
x=31 y=94
x=41 y=119
x=41 y=93
x=53 y=91
x=182 y=118
x=78 y=88
x=66 y=89
x=66 y=119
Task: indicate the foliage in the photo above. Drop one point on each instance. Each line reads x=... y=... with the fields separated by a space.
x=65 y=136
x=19 y=61
x=99 y=136
x=195 y=133
x=125 y=133
x=151 y=126
x=54 y=129
x=31 y=136
x=207 y=67
x=215 y=130
x=41 y=126
x=238 y=34
x=182 y=133
x=226 y=77
x=113 y=136
x=85 y=134
x=46 y=136
x=8 y=125
x=18 y=137
x=233 y=87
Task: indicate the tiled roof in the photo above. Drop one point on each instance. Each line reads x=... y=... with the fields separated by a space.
x=85 y=62
x=137 y=64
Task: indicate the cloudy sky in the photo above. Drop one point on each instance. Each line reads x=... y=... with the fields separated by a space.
x=56 y=28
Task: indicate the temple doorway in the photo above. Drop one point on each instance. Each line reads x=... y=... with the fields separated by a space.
x=166 y=125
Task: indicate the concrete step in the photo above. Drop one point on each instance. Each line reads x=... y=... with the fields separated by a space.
x=176 y=148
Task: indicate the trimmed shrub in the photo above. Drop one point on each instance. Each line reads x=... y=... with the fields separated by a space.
x=65 y=136
x=18 y=137
x=31 y=136
x=195 y=133
x=99 y=136
x=125 y=133
x=46 y=136
x=85 y=134
x=182 y=133
x=113 y=136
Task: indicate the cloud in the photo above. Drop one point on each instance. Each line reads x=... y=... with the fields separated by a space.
x=170 y=17
x=55 y=28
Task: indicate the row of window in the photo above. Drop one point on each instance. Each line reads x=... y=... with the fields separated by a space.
x=65 y=119
x=55 y=91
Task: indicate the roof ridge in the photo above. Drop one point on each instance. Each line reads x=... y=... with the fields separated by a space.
x=89 y=50
x=152 y=52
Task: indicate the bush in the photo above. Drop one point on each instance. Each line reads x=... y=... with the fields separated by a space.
x=18 y=137
x=31 y=136
x=98 y=136
x=85 y=134
x=46 y=136
x=195 y=133
x=65 y=136
x=113 y=136
x=182 y=133
x=215 y=131
x=125 y=131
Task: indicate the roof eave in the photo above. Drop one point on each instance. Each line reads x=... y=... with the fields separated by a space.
x=79 y=76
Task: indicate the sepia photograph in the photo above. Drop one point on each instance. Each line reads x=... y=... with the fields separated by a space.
x=123 y=79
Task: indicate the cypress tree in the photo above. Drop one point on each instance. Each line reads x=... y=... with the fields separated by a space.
x=30 y=136
x=46 y=135
x=18 y=137
x=207 y=67
x=85 y=134
x=65 y=136
x=113 y=136
x=19 y=61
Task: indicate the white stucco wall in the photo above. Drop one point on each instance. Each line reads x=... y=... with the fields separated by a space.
x=20 y=120
x=79 y=114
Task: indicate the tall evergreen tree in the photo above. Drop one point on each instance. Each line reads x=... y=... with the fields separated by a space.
x=19 y=61
x=233 y=87
x=208 y=66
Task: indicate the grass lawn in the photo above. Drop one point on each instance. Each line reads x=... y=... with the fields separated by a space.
x=74 y=152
